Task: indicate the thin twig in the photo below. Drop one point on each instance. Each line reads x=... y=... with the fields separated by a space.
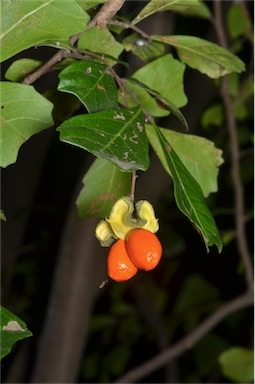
x=106 y=12
x=45 y=68
x=130 y=26
x=235 y=157
x=188 y=341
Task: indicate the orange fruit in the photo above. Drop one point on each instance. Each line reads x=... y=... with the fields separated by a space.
x=119 y=265
x=143 y=248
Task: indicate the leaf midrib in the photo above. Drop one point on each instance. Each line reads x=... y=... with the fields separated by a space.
x=24 y=18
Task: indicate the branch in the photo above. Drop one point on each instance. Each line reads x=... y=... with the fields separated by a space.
x=188 y=341
x=45 y=68
x=235 y=157
x=108 y=10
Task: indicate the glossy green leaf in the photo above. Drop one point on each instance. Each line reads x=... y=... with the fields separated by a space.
x=188 y=194
x=164 y=70
x=19 y=69
x=199 y=155
x=24 y=112
x=90 y=82
x=104 y=184
x=13 y=329
x=237 y=364
x=29 y=23
x=195 y=7
x=208 y=58
x=100 y=40
x=143 y=48
x=118 y=136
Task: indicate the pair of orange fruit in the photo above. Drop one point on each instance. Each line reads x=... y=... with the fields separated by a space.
x=141 y=249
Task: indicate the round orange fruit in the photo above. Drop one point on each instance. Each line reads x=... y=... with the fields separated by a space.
x=119 y=266
x=143 y=248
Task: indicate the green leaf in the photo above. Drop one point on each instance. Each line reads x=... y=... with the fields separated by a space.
x=214 y=115
x=162 y=71
x=143 y=48
x=206 y=57
x=19 y=69
x=182 y=6
x=90 y=82
x=163 y=101
x=237 y=364
x=13 y=329
x=39 y=22
x=237 y=21
x=24 y=113
x=199 y=155
x=2 y=215
x=146 y=100
x=104 y=184
x=100 y=40
x=118 y=136
x=188 y=194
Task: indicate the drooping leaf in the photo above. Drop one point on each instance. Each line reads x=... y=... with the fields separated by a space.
x=146 y=100
x=19 y=69
x=30 y=23
x=237 y=364
x=143 y=48
x=188 y=194
x=13 y=329
x=90 y=82
x=164 y=70
x=24 y=113
x=199 y=155
x=100 y=40
x=104 y=184
x=163 y=101
x=194 y=7
x=115 y=135
x=206 y=57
